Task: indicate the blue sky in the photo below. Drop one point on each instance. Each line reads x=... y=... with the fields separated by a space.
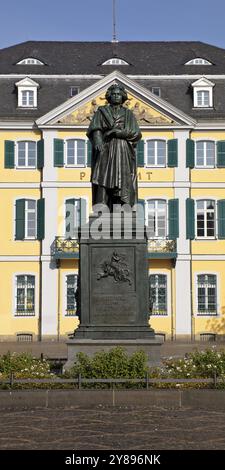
x=91 y=20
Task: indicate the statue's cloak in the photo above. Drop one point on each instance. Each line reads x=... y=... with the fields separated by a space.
x=115 y=166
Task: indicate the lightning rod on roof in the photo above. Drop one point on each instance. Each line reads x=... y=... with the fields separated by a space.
x=114 y=39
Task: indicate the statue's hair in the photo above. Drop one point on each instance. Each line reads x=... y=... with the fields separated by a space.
x=112 y=87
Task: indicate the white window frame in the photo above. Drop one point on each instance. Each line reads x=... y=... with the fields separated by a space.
x=27 y=84
x=146 y=215
x=27 y=211
x=75 y=165
x=204 y=166
x=198 y=61
x=115 y=61
x=218 y=306
x=205 y=220
x=26 y=167
x=168 y=298
x=68 y=273
x=30 y=61
x=155 y=139
x=36 y=295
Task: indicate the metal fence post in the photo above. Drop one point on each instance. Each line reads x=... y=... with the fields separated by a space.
x=147 y=381
x=79 y=381
x=11 y=379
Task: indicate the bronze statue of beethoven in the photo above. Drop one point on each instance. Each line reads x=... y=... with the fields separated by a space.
x=114 y=133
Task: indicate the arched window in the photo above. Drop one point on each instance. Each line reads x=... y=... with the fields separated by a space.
x=198 y=61
x=30 y=61
x=115 y=61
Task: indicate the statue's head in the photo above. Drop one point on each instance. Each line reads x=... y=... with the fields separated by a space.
x=116 y=88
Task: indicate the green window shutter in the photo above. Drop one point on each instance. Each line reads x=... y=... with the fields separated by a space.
x=190 y=218
x=59 y=152
x=173 y=206
x=9 y=154
x=70 y=218
x=40 y=154
x=221 y=153
x=190 y=153
x=221 y=218
x=40 y=219
x=89 y=153
x=20 y=219
x=83 y=211
x=140 y=153
x=172 y=153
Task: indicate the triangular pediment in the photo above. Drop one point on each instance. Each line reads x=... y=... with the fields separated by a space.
x=149 y=109
x=203 y=82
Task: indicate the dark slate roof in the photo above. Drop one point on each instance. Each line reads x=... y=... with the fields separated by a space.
x=157 y=58
x=86 y=57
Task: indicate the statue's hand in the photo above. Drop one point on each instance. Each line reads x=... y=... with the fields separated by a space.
x=120 y=134
x=99 y=147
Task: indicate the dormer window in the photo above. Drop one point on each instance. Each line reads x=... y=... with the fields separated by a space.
x=198 y=61
x=30 y=61
x=27 y=93
x=115 y=61
x=203 y=93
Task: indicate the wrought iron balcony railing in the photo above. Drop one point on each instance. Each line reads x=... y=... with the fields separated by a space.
x=65 y=248
x=69 y=248
x=162 y=247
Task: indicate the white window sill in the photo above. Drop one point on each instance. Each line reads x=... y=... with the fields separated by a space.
x=155 y=166
x=75 y=166
x=206 y=314
x=202 y=107
x=205 y=238
x=25 y=168
x=204 y=167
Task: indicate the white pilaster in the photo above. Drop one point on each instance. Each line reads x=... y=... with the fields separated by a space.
x=183 y=263
x=49 y=270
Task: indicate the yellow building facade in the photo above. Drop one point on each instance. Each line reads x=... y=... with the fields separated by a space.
x=46 y=193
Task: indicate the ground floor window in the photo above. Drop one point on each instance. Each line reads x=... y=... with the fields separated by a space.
x=71 y=287
x=207 y=294
x=158 y=294
x=25 y=295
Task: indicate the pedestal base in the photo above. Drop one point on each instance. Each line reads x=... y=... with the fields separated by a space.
x=151 y=347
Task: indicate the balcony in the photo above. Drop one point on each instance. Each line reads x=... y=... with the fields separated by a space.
x=63 y=248
x=162 y=248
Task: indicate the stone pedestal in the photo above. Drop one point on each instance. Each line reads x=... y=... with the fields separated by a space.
x=151 y=347
x=114 y=292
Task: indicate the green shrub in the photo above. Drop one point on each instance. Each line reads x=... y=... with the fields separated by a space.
x=24 y=366
x=113 y=364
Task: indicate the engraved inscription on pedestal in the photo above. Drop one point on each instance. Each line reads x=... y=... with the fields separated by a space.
x=114 y=310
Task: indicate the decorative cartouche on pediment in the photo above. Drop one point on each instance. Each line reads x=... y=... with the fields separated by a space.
x=144 y=114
